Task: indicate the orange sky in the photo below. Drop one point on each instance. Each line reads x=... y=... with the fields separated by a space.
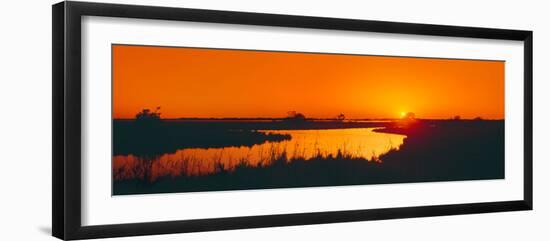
x=194 y=82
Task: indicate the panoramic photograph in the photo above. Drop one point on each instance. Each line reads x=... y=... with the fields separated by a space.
x=187 y=119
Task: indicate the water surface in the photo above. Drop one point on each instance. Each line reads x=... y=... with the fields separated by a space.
x=304 y=144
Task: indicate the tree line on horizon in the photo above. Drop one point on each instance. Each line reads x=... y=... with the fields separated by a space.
x=146 y=115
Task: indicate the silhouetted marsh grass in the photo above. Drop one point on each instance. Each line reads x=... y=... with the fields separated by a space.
x=274 y=154
x=277 y=169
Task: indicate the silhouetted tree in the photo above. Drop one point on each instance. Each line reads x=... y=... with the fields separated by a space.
x=341 y=117
x=409 y=116
x=147 y=116
x=295 y=116
x=456 y=117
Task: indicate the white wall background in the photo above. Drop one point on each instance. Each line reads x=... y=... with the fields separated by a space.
x=25 y=119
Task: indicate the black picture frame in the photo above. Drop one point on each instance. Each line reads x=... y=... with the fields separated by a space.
x=66 y=168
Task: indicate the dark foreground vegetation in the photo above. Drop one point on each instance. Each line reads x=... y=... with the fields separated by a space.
x=448 y=150
x=443 y=150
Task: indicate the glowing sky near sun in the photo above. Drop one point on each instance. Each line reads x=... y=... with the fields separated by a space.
x=194 y=82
